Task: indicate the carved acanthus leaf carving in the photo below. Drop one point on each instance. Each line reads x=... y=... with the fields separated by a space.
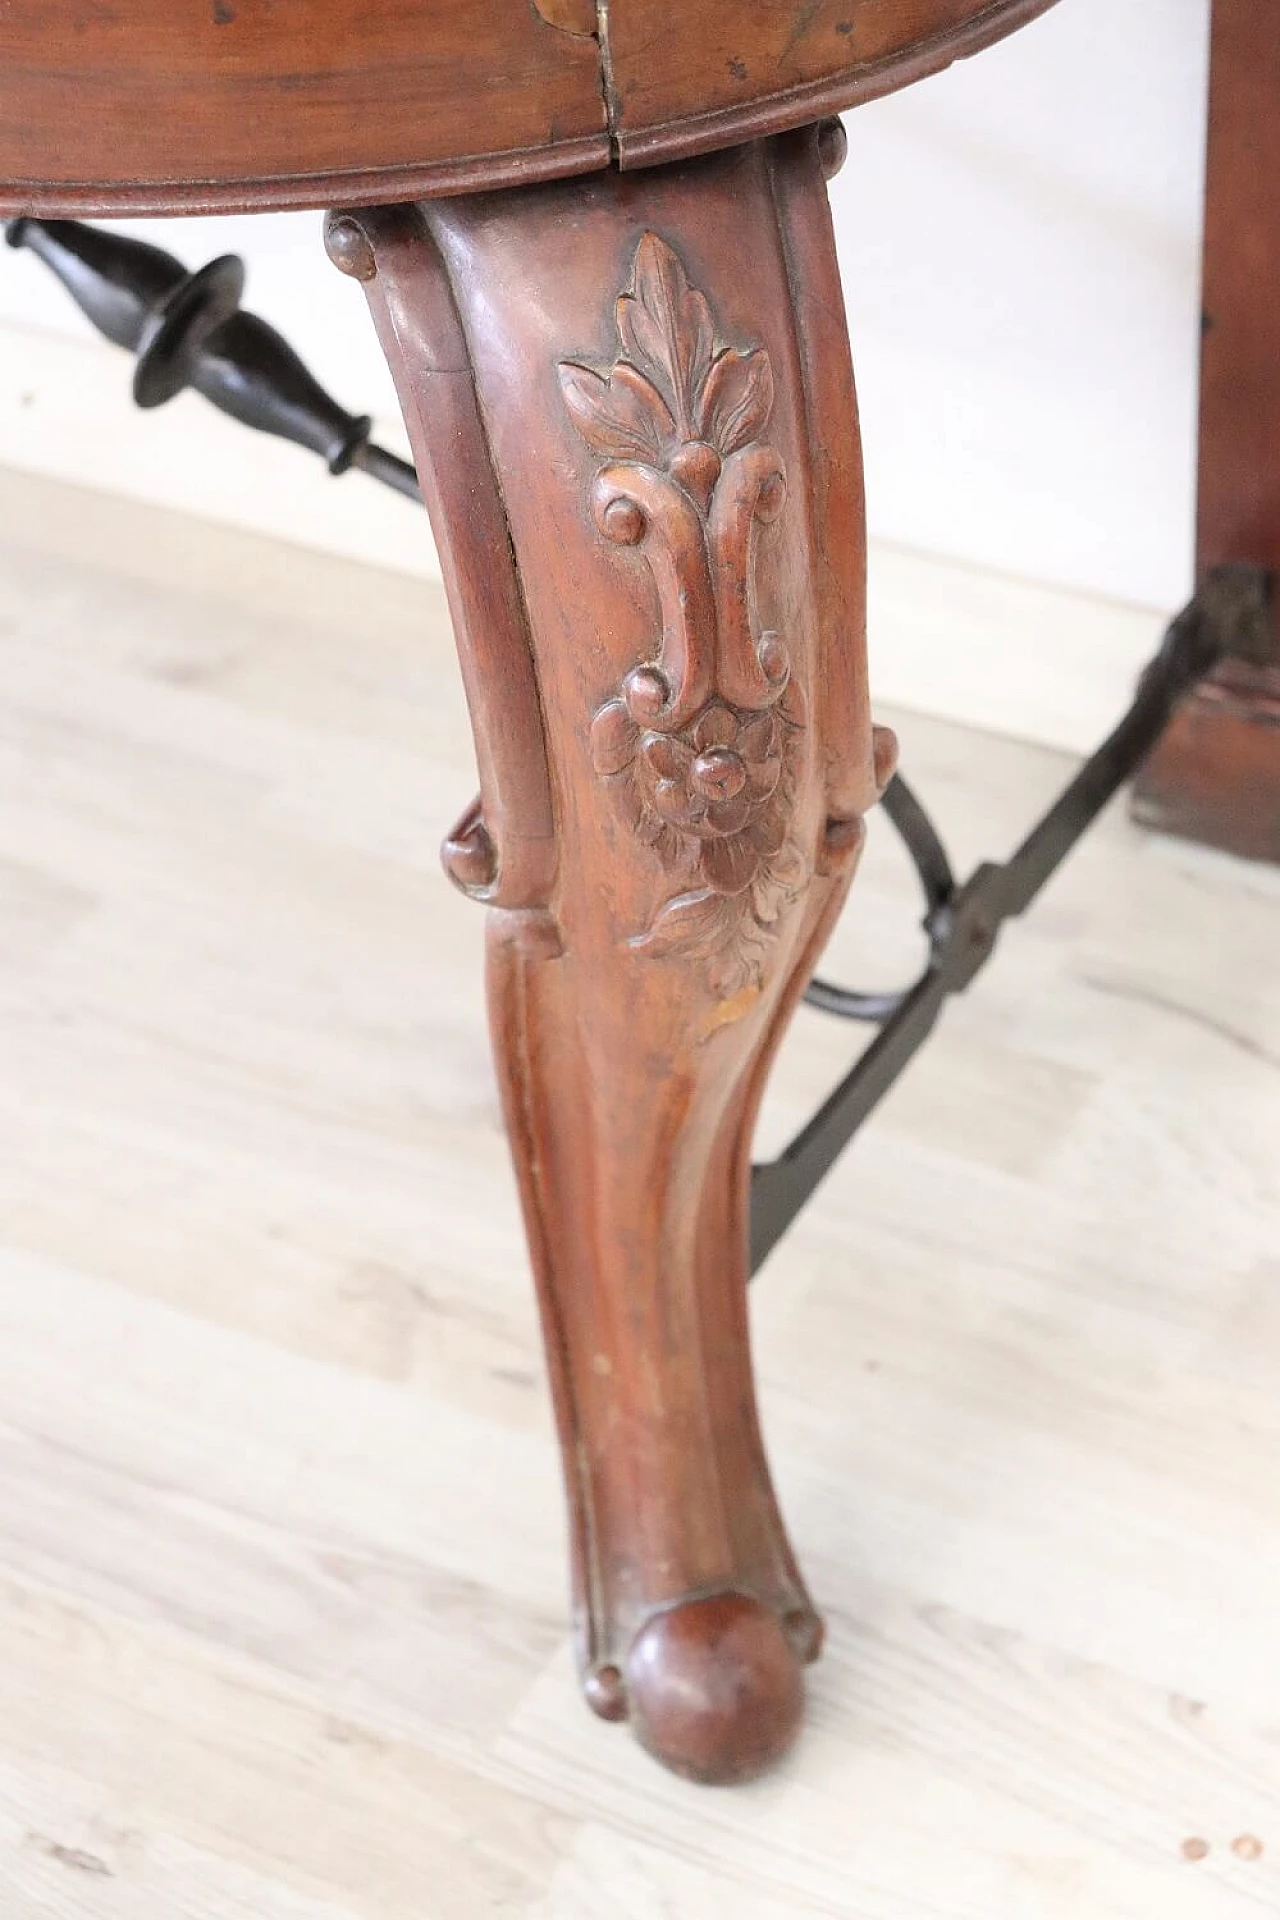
x=700 y=742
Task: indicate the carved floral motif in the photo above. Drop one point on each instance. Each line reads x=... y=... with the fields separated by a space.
x=700 y=744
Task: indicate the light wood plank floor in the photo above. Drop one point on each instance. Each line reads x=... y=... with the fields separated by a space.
x=281 y=1550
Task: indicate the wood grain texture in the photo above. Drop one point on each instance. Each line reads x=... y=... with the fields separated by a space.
x=732 y=71
x=281 y=1610
x=241 y=103
x=274 y=103
x=1216 y=777
x=675 y=609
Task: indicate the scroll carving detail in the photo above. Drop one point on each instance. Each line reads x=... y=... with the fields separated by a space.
x=700 y=744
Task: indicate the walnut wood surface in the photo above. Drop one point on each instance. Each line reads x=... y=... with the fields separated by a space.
x=154 y=106
x=272 y=103
x=755 y=67
x=643 y=471
x=1216 y=775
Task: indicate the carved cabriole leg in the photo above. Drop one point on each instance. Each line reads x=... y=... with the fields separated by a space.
x=632 y=407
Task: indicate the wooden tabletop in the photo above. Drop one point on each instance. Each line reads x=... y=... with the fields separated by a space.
x=269 y=103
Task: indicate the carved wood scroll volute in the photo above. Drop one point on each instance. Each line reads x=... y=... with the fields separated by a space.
x=667 y=834
x=699 y=745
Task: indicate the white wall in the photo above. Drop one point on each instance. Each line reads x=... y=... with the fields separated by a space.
x=1020 y=246
x=1019 y=239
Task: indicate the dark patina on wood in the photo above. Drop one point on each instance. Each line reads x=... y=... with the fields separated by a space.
x=1216 y=774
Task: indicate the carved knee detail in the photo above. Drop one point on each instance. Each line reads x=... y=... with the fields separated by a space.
x=698 y=743
x=645 y=483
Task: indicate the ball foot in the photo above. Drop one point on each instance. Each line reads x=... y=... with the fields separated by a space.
x=714 y=1688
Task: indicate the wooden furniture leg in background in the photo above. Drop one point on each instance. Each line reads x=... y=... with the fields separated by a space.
x=632 y=409
x=1216 y=774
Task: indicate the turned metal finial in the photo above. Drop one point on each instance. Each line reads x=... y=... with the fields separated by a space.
x=187 y=330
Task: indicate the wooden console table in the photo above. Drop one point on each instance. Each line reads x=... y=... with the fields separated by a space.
x=596 y=245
